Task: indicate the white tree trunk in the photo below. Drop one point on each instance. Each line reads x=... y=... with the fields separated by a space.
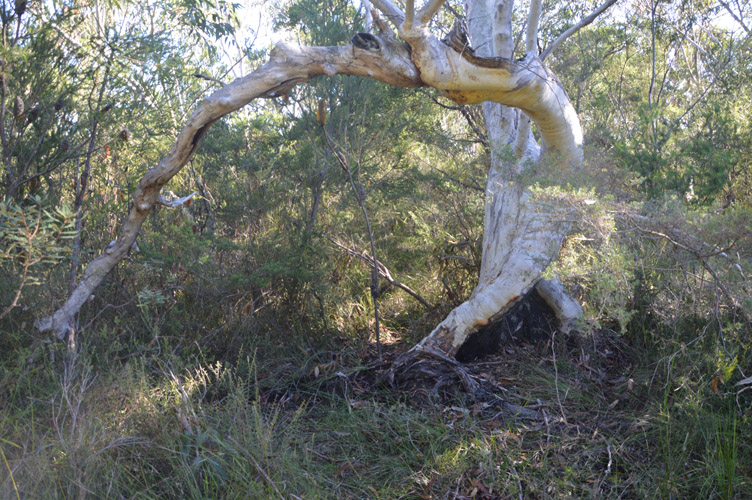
x=522 y=233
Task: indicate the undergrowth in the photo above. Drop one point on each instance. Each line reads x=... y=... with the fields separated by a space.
x=286 y=419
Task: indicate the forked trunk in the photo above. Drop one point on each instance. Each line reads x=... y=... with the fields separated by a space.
x=522 y=233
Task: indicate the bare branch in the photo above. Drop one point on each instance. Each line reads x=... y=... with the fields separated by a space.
x=383 y=271
x=360 y=197
x=409 y=14
x=482 y=138
x=698 y=100
x=390 y=11
x=735 y=301
x=385 y=31
x=288 y=65
x=734 y=15
x=533 y=19
x=700 y=247
x=429 y=10
x=577 y=27
x=368 y=17
x=209 y=79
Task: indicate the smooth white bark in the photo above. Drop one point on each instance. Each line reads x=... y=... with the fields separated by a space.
x=533 y=19
x=289 y=64
x=522 y=234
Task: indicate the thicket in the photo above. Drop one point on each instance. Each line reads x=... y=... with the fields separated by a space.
x=202 y=356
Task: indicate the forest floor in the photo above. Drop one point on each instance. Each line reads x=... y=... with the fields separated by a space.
x=281 y=417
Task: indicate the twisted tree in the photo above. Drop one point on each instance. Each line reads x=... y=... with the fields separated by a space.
x=474 y=64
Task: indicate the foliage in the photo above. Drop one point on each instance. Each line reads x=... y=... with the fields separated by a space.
x=33 y=238
x=208 y=357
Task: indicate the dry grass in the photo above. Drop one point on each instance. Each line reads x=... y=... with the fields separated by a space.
x=299 y=423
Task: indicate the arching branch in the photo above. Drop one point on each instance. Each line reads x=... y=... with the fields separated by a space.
x=385 y=59
x=429 y=10
x=424 y=60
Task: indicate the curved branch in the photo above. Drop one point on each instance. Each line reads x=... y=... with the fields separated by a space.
x=577 y=27
x=429 y=10
x=525 y=84
x=288 y=65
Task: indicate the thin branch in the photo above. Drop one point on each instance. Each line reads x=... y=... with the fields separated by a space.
x=409 y=14
x=390 y=11
x=736 y=18
x=429 y=10
x=482 y=138
x=533 y=19
x=360 y=196
x=83 y=180
x=383 y=271
x=704 y=248
x=63 y=34
x=475 y=186
x=652 y=75
x=14 y=302
x=210 y=79
x=577 y=27
x=706 y=264
x=697 y=101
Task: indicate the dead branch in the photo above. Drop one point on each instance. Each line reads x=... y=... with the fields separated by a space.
x=702 y=257
x=383 y=271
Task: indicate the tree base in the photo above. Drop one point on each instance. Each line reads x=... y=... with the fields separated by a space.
x=531 y=320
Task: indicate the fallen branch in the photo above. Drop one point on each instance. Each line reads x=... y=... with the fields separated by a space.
x=175 y=203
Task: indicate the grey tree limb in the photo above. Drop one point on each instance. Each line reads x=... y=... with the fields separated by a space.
x=577 y=27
